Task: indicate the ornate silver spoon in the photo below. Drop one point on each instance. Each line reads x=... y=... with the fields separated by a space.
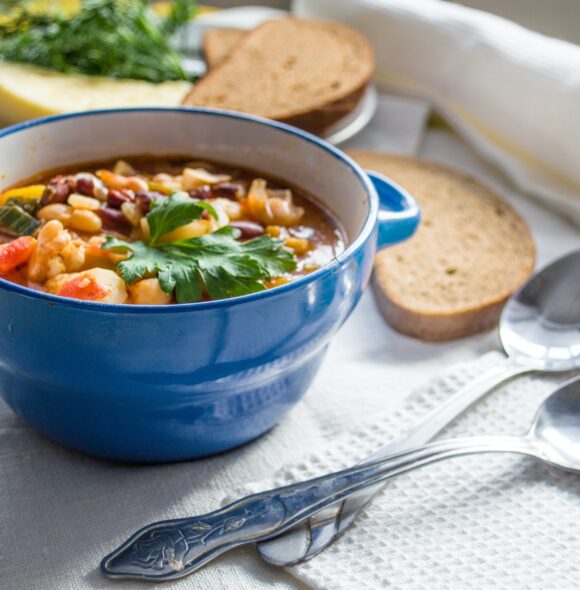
x=539 y=330
x=172 y=549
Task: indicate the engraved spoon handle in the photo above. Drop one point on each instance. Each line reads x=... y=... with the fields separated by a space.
x=172 y=549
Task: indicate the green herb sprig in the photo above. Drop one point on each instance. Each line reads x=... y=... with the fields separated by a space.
x=114 y=38
x=216 y=263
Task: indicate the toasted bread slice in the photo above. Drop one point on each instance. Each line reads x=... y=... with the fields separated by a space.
x=218 y=43
x=302 y=72
x=470 y=253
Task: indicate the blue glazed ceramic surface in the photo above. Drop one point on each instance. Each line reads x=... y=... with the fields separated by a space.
x=166 y=383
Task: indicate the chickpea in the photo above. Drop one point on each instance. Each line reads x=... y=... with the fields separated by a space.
x=46 y=260
x=149 y=292
x=56 y=211
x=73 y=255
x=273 y=231
x=299 y=245
x=277 y=282
x=55 y=266
x=123 y=168
x=173 y=183
x=51 y=233
x=85 y=221
x=77 y=201
x=145 y=229
x=307 y=269
x=132 y=213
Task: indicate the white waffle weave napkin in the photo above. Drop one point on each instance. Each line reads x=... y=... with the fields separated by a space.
x=512 y=93
x=483 y=522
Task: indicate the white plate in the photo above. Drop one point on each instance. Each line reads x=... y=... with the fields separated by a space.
x=356 y=120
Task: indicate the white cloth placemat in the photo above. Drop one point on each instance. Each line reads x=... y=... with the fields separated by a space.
x=61 y=512
x=486 y=521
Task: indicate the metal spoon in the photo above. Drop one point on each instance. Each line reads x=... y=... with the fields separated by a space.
x=176 y=548
x=539 y=330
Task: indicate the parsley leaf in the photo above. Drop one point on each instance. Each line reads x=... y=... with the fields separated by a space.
x=143 y=260
x=169 y=214
x=216 y=263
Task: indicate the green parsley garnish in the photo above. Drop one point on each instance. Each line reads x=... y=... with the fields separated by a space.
x=169 y=214
x=217 y=263
x=114 y=38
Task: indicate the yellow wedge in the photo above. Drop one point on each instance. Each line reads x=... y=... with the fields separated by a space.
x=28 y=92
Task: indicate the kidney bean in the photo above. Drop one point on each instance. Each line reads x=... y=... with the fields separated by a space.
x=58 y=190
x=144 y=198
x=116 y=198
x=227 y=190
x=114 y=219
x=85 y=184
x=249 y=229
x=202 y=192
x=72 y=183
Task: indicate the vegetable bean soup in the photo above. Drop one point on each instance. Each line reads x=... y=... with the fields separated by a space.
x=151 y=231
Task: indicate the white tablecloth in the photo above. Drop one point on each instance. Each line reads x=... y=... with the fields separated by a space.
x=61 y=512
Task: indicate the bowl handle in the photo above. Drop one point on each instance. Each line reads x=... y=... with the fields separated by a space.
x=399 y=213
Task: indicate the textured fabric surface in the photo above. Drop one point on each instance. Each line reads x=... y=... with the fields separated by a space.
x=485 y=521
x=491 y=79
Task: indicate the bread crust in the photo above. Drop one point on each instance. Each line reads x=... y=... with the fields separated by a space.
x=316 y=119
x=320 y=120
x=436 y=327
x=459 y=319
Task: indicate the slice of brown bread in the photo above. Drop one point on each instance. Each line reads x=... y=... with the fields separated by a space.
x=217 y=44
x=302 y=72
x=470 y=253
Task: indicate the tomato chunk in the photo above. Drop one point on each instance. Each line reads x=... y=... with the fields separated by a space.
x=83 y=287
x=16 y=253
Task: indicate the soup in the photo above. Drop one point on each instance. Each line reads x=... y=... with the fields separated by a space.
x=159 y=231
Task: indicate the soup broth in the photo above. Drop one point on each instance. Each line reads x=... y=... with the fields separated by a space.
x=159 y=231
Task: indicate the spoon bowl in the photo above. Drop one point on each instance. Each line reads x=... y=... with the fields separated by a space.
x=555 y=430
x=540 y=324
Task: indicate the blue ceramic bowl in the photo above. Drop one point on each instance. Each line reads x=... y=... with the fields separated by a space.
x=166 y=383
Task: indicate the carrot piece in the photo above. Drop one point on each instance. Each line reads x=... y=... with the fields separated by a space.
x=118 y=182
x=83 y=287
x=15 y=253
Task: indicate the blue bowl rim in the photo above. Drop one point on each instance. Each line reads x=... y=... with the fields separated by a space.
x=357 y=243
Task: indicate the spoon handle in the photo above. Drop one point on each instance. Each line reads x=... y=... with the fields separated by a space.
x=312 y=537
x=176 y=548
x=440 y=417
